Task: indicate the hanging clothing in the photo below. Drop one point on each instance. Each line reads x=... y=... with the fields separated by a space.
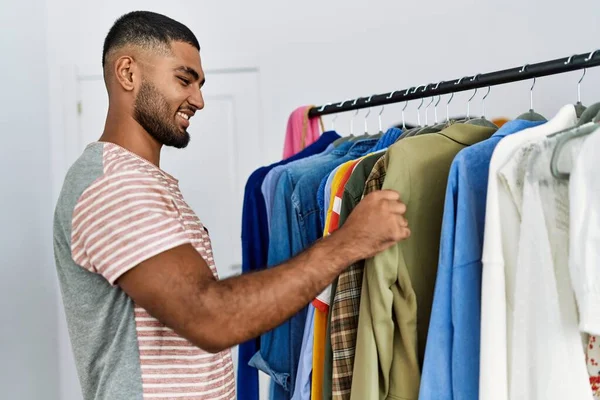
x=346 y=306
x=501 y=232
x=584 y=254
x=270 y=181
x=321 y=303
x=392 y=330
x=451 y=365
x=302 y=388
x=340 y=177
x=548 y=359
x=301 y=131
x=295 y=218
x=337 y=216
x=584 y=261
x=324 y=196
x=255 y=244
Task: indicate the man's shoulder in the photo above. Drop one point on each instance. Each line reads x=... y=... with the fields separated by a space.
x=103 y=168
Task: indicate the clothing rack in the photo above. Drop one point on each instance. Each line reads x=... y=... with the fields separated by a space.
x=528 y=71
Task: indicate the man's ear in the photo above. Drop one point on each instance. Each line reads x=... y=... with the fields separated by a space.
x=126 y=72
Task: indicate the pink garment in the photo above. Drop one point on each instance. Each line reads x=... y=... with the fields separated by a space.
x=301 y=131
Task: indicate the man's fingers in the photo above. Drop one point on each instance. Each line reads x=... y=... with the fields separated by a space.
x=389 y=195
x=397 y=207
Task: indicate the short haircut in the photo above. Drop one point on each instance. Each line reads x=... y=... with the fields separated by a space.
x=147 y=30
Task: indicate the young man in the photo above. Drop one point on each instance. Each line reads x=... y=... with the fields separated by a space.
x=147 y=315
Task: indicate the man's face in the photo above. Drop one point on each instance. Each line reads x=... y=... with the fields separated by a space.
x=170 y=94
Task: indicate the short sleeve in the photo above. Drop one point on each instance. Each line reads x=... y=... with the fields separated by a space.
x=122 y=220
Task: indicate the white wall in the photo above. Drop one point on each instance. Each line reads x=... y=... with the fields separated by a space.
x=28 y=331
x=308 y=52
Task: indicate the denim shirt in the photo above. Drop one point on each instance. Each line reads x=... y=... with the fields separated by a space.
x=388 y=139
x=451 y=364
x=255 y=242
x=279 y=348
x=305 y=215
x=269 y=184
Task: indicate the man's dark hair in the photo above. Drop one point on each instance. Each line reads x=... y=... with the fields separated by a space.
x=147 y=30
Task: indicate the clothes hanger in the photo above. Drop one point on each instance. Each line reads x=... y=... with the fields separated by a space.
x=436 y=127
x=355 y=138
x=469 y=103
x=439 y=126
x=352 y=119
x=343 y=139
x=379 y=119
x=419 y=110
x=408 y=132
x=403 y=109
x=566 y=136
x=588 y=123
x=367 y=115
x=427 y=110
x=482 y=121
x=579 y=107
x=435 y=115
x=420 y=127
x=531 y=115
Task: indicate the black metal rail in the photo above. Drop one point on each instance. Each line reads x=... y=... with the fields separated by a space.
x=528 y=71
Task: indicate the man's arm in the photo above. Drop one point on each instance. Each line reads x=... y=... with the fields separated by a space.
x=178 y=288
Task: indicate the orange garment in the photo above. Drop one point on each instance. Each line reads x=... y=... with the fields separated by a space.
x=500 y=121
x=321 y=309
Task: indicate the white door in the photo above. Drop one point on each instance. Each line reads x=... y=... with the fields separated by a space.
x=226 y=147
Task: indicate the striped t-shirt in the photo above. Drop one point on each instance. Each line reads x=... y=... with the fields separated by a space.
x=115 y=211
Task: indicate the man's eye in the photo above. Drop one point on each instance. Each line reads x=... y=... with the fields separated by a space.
x=184 y=81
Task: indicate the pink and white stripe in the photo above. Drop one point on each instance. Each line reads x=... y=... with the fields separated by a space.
x=133 y=212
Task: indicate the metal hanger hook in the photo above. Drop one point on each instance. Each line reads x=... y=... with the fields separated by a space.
x=483 y=100
x=379 y=118
x=474 y=93
x=436 y=105
x=448 y=107
x=420 y=105
x=531 y=94
x=369 y=110
x=569 y=59
x=333 y=121
x=472 y=97
x=469 y=104
x=579 y=86
x=368 y=113
x=352 y=119
x=524 y=68
x=532 y=86
x=337 y=115
x=427 y=110
x=460 y=80
x=342 y=103
x=591 y=55
x=323 y=107
x=404 y=108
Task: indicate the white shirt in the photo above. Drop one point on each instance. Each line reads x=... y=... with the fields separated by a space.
x=548 y=360
x=501 y=234
x=584 y=258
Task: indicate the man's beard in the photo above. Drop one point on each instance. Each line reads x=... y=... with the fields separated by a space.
x=151 y=111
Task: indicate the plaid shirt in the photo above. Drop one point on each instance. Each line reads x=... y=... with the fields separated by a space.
x=346 y=305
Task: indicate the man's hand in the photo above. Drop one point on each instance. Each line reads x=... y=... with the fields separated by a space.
x=375 y=224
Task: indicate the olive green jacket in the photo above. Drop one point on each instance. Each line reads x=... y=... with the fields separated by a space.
x=397 y=291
